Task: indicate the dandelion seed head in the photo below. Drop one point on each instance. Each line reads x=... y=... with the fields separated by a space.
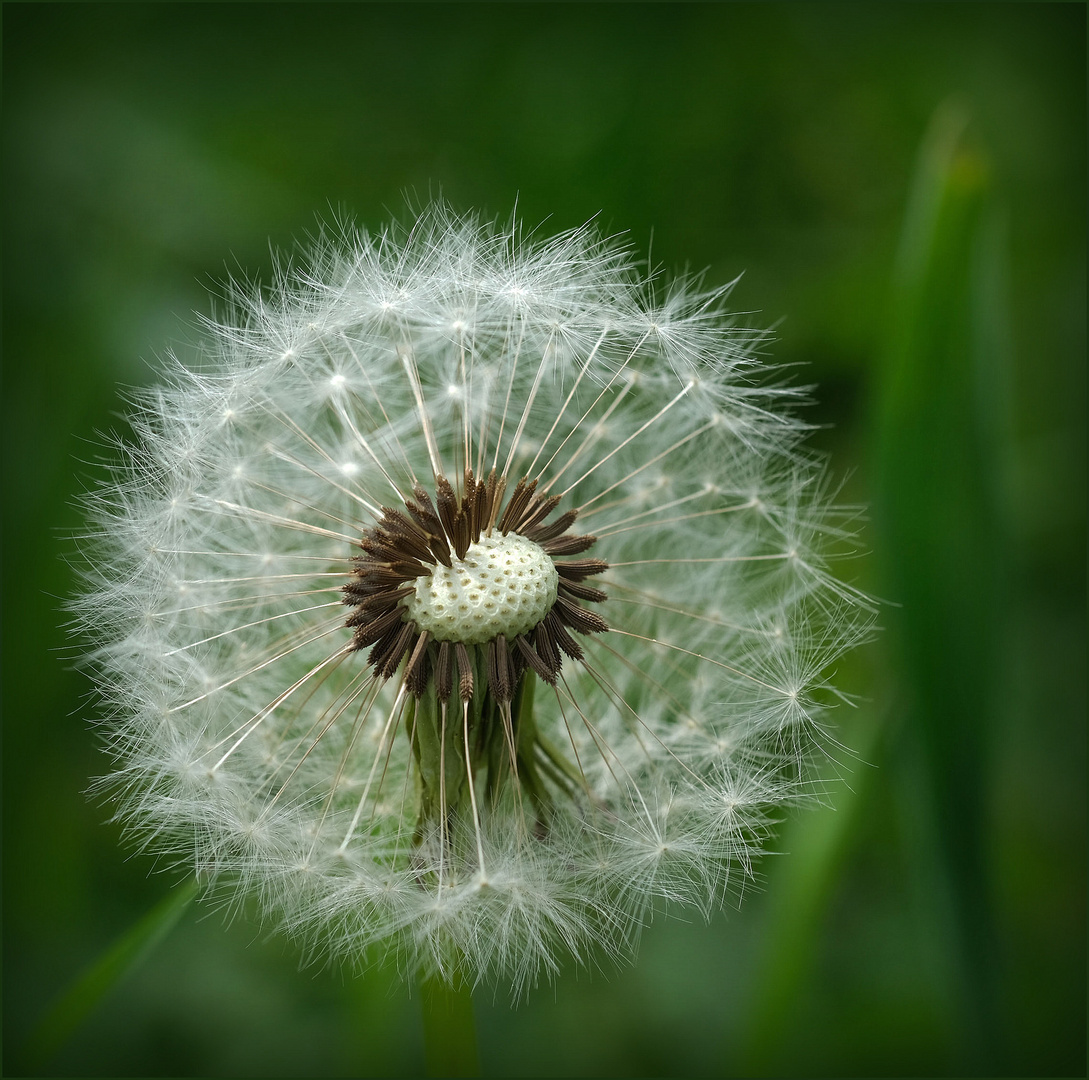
x=471 y=603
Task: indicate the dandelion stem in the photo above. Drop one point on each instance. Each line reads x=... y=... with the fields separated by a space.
x=449 y=1028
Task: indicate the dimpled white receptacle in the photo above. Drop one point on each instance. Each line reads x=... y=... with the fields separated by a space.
x=504 y=585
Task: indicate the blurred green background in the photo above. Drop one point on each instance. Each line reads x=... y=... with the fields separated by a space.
x=904 y=186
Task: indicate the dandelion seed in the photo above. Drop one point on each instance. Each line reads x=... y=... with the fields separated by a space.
x=473 y=606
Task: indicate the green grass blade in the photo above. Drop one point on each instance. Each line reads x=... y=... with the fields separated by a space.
x=77 y=1003
x=938 y=469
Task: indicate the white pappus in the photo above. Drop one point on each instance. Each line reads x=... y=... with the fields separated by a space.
x=469 y=602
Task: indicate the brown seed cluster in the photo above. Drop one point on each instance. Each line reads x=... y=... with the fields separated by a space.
x=408 y=544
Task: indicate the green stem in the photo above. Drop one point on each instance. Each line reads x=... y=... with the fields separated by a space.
x=449 y=1028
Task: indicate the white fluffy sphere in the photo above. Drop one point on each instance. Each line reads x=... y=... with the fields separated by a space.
x=293 y=711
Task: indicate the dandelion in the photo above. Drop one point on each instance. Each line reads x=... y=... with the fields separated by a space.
x=469 y=603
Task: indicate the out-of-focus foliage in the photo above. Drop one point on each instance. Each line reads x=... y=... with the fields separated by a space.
x=931 y=919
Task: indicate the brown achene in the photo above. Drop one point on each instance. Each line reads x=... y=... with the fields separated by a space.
x=411 y=543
